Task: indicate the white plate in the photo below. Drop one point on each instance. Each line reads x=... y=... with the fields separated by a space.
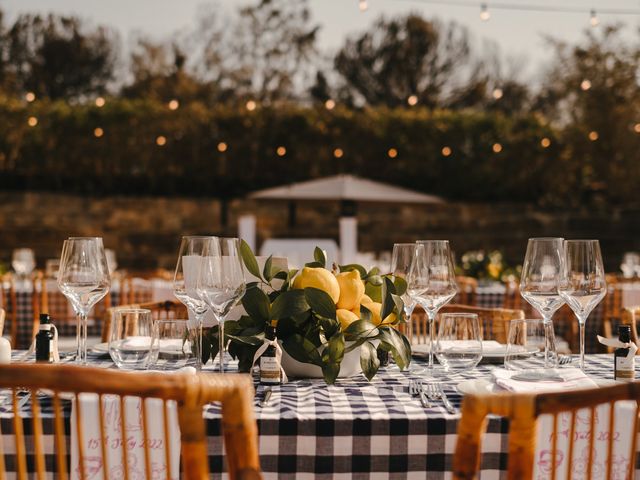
x=482 y=386
x=100 y=348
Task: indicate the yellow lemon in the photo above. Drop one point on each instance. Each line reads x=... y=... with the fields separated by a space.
x=375 y=309
x=365 y=299
x=319 y=278
x=346 y=317
x=351 y=289
x=356 y=311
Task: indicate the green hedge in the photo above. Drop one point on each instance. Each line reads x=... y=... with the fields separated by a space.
x=61 y=152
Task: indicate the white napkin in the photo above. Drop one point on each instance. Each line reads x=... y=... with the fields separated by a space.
x=137 y=342
x=573 y=379
x=113 y=466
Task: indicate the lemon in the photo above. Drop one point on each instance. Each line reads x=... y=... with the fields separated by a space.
x=365 y=299
x=375 y=309
x=319 y=278
x=351 y=289
x=346 y=317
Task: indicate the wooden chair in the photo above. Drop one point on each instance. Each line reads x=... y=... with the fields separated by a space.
x=10 y=304
x=2 y=315
x=522 y=412
x=613 y=307
x=493 y=321
x=467 y=290
x=191 y=392
x=159 y=311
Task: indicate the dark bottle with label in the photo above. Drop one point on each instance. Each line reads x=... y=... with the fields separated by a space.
x=624 y=368
x=269 y=365
x=44 y=340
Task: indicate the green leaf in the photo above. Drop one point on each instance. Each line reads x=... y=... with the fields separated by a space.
x=302 y=349
x=256 y=304
x=387 y=300
x=354 y=266
x=373 y=271
x=401 y=285
x=330 y=372
x=355 y=344
x=282 y=275
x=266 y=271
x=369 y=360
x=374 y=292
x=314 y=265
x=365 y=313
x=247 y=340
x=397 y=344
x=330 y=327
x=334 y=352
x=249 y=259
x=361 y=328
x=288 y=304
x=319 y=256
x=375 y=280
x=320 y=302
x=399 y=303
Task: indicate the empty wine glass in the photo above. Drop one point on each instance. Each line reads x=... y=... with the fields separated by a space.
x=185 y=283
x=583 y=283
x=84 y=279
x=23 y=261
x=401 y=258
x=432 y=281
x=541 y=275
x=459 y=344
x=221 y=282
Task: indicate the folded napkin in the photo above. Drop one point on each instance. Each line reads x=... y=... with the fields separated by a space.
x=568 y=379
x=137 y=342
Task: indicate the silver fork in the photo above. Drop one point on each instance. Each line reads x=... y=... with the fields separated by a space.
x=415 y=389
x=436 y=392
x=565 y=359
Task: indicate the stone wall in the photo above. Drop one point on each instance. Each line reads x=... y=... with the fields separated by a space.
x=145 y=231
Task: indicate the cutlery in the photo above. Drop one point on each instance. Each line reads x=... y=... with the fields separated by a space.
x=565 y=359
x=415 y=389
x=267 y=397
x=435 y=392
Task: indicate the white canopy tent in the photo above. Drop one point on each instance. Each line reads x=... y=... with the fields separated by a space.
x=349 y=190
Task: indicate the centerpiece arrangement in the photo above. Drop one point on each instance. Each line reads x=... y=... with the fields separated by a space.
x=320 y=314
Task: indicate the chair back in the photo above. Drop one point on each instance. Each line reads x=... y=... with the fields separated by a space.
x=494 y=322
x=191 y=392
x=9 y=301
x=523 y=412
x=467 y=290
x=2 y=315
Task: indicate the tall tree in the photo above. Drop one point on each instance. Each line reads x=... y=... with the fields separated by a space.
x=55 y=57
x=404 y=56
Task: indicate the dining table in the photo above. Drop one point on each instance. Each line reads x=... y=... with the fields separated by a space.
x=352 y=429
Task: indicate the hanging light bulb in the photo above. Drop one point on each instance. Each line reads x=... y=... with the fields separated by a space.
x=594 y=20
x=363 y=5
x=484 y=12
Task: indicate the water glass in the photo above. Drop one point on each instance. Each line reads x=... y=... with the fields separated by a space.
x=528 y=343
x=23 y=261
x=130 y=342
x=175 y=343
x=459 y=342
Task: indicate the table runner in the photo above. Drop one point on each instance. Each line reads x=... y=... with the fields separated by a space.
x=354 y=429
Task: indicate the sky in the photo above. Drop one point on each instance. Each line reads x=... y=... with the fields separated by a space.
x=518 y=34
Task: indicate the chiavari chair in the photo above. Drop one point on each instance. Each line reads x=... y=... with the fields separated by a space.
x=191 y=392
x=523 y=412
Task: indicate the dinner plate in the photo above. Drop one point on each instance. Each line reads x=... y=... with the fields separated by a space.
x=495 y=355
x=100 y=348
x=482 y=386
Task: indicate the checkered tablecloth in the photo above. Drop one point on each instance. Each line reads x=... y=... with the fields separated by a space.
x=354 y=429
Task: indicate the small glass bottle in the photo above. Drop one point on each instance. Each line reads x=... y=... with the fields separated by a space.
x=269 y=365
x=44 y=340
x=624 y=368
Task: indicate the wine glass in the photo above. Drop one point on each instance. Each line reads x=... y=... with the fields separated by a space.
x=221 y=282
x=583 y=283
x=541 y=275
x=185 y=282
x=432 y=281
x=84 y=279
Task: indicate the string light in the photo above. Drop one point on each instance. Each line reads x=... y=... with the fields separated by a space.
x=338 y=153
x=484 y=12
x=545 y=142
x=497 y=148
x=330 y=104
x=174 y=104
x=497 y=93
x=32 y=121
x=30 y=97
x=412 y=100
x=222 y=147
x=100 y=102
x=446 y=151
x=363 y=5
x=281 y=151
x=636 y=127
x=161 y=141
x=585 y=85
x=98 y=132
x=593 y=135
x=251 y=105
x=594 y=20
x=393 y=153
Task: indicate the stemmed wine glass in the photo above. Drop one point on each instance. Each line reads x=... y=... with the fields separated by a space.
x=583 y=283
x=84 y=279
x=541 y=276
x=432 y=281
x=221 y=282
x=185 y=283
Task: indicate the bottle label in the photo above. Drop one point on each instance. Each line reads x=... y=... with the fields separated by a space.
x=625 y=368
x=269 y=370
x=51 y=360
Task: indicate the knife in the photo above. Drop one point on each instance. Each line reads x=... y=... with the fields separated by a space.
x=267 y=396
x=445 y=400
